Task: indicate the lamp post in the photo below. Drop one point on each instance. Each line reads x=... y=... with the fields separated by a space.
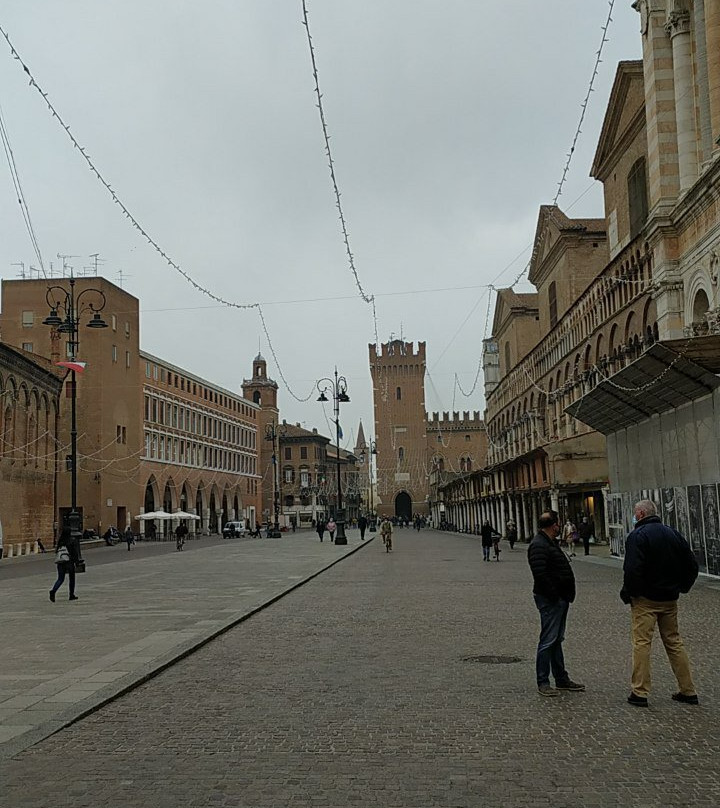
x=338 y=388
x=271 y=434
x=373 y=453
x=72 y=306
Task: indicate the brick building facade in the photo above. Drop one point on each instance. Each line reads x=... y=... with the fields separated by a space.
x=29 y=400
x=411 y=446
x=148 y=431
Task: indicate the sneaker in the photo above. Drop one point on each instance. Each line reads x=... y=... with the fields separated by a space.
x=685 y=699
x=547 y=690
x=570 y=685
x=52 y=596
x=637 y=701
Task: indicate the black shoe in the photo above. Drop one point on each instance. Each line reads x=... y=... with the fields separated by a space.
x=637 y=701
x=570 y=685
x=73 y=597
x=685 y=699
x=52 y=596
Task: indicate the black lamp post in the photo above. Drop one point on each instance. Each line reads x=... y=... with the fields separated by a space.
x=60 y=299
x=338 y=388
x=372 y=520
x=271 y=434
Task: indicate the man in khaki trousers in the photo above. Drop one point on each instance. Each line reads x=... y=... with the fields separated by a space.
x=659 y=565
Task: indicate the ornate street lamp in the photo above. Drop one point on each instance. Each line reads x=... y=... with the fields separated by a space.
x=338 y=389
x=64 y=301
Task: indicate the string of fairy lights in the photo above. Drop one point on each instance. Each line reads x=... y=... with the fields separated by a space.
x=366 y=297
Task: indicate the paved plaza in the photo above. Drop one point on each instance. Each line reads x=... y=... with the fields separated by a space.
x=375 y=683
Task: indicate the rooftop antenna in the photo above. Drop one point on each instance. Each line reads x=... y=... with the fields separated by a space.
x=20 y=264
x=96 y=260
x=65 y=266
x=121 y=276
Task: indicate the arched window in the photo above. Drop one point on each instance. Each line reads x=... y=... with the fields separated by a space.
x=552 y=304
x=468 y=464
x=398 y=394
x=637 y=197
x=700 y=308
x=256 y=397
x=401 y=453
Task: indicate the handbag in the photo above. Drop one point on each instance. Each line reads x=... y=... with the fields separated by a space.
x=62 y=556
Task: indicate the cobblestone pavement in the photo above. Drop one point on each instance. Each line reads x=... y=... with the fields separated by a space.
x=138 y=611
x=362 y=688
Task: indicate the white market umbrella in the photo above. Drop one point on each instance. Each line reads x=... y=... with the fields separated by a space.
x=185 y=515
x=154 y=515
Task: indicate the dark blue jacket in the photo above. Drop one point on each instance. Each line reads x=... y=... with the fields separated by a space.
x=552 y=574
x=659 y=563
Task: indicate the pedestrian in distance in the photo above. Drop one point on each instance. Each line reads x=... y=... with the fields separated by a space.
x=585 y=532
x=569 y=537
x=386 y=531
x=487 y=532
x=386 y=534
x=512 y=533
x=331 y=528
x=553 y=591
x=66 y=556
x=362 y=524
x=180 y=534
x=659 y=565
x=320 y=529
x=129 y=537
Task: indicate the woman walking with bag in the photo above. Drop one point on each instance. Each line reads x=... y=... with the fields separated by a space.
x=65 y=558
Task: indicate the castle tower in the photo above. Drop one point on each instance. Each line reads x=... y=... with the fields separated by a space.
x=263 y=391
x=398 y=375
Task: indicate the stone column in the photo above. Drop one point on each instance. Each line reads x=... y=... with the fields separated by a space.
x=701 y=62
x=536 y=512
x=712 y=40
x=501 y=528
x=554 y=499
x=662 y=173
x=518 y=515
x=678 y=28
x=527 y=524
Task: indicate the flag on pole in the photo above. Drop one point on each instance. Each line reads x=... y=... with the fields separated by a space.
x=78 y=367
x=340 y=432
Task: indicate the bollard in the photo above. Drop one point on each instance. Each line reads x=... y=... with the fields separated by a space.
x=9 y=552
x=27 y=548
x=34 y=549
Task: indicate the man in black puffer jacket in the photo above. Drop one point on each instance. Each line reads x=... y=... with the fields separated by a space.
x=659 y=565
x=554 y=591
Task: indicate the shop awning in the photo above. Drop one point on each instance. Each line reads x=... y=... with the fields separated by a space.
x=666 y=376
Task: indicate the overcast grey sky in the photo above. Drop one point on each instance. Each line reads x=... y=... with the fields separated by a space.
x=450 y=125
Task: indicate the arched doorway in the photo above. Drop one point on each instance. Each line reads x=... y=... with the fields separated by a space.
x=199 y=508
x=149 y=507
x=167 y=506
x=403 y=505
x=212 y=516
x=224 y=518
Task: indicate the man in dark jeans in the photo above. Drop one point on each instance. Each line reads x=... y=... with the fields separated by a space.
x=585 y=531
x=554 y=591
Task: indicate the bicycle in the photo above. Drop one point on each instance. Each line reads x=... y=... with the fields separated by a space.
x=388 y=542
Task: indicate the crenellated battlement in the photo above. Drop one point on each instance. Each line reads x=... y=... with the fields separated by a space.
x=465 y=420
x=395 y=351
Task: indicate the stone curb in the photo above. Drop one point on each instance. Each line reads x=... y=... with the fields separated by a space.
x=121 y=687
